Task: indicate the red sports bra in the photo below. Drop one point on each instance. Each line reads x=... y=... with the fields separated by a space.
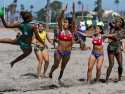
x=68 y=37
x=98 y=41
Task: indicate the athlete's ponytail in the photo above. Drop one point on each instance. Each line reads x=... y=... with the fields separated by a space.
x=101 y=29
x=25 y=15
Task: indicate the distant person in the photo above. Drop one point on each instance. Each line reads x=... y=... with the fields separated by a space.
x=76 y=38
x=89 y=23
x=83 y=45
x=111 y=24
x=100 y=23
x=82 y=24
x=55 y=40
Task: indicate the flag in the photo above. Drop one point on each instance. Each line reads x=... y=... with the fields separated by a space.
x=82 y=7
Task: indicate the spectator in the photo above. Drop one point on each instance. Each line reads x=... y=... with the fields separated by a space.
x=83 y=24
x=111 y=24
x=55 y=38
x=100 y=23
x=89 y=23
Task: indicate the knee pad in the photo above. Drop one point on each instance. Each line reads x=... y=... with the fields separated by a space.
x=120 y=69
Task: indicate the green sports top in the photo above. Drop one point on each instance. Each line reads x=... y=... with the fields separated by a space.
x=25 y=29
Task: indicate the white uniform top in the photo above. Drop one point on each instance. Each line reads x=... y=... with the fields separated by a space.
x=83 y=26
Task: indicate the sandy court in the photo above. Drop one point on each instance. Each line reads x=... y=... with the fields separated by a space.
x=22 y=78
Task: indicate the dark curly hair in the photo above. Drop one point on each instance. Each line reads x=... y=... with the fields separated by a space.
x=25 y=15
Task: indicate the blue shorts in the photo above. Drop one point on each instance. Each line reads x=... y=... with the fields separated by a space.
x=96 y=55
x=63 y=53
x=22 y=43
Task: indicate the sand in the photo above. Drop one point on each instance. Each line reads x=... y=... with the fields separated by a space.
x=22 y=78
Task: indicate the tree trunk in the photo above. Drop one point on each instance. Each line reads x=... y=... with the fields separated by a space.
x=13 y=9
x=99 y=9
x=47 y=14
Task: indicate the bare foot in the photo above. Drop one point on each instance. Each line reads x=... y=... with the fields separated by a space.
x=45 y=75
x=11 y=64
x=50 y=76
x=39 y=77
x=106 y=82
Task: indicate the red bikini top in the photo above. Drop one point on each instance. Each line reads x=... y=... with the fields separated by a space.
x=64 y=37
x=98 y=41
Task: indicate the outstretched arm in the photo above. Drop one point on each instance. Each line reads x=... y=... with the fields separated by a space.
x=110 y=35
x=73 y=19
x=85 y=35
x=60 y=18
x=17 y=25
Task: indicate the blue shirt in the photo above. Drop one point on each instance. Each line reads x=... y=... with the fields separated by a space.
x=82 y=37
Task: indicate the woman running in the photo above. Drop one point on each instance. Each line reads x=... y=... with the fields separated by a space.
x=65 y=42
x=114 y=49
x=41 y=51
x=97 y=51
x=25 y=40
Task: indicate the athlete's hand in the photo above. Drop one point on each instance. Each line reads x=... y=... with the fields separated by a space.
x=73 y=5
x=65 y=8
x=46 y=46
x=1 y=16
x=120 y=32
x=38 y=44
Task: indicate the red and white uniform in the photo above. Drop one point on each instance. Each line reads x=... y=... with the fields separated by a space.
x=98 y=41
x=68 y=37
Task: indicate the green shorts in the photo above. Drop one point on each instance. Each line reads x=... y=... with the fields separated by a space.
x=22 y=43
x=84 y=42
x=40 y=48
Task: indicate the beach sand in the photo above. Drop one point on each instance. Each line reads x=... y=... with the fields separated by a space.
x=22 y=78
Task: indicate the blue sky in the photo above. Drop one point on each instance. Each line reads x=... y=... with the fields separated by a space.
x=38 y=4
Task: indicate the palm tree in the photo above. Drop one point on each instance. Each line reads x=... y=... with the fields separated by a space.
x=55 y=9
x=22 y=7
x=117 y=2
x=13 y=10
x=47 y=14
x=99 y=9
x=79 y=3
x=31 y=7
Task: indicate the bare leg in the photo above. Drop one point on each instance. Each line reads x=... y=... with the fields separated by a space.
x=111 y=62
x=57 y=59
x=99 y=65
x=26 y=52
x=8 y=40
x=118 y=56
x=91 y=63
x=46 y=59
x=40 y=60
x=63 y=65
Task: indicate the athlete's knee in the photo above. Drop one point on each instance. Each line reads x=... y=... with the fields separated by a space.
x=111 y=65
x=89 y=69
x=120 y=69
x=98 y=69
x=55 y=66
